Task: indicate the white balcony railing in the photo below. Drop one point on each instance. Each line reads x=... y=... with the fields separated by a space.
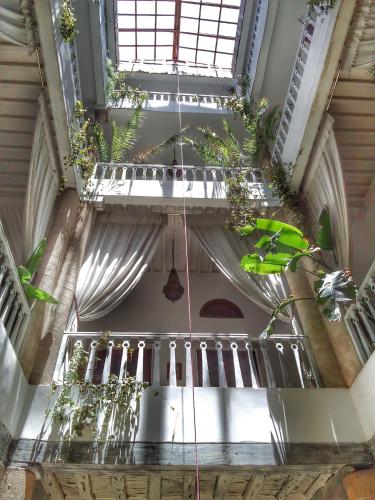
x=14 y=308
x=304 y=83
x=115 y=183
x=360 y=317
x=205 y=360
x=172 y=102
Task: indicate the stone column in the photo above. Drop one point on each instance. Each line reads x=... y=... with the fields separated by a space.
x=63 y=224
x=314 y=327
x=56 y=321
x=17 y=484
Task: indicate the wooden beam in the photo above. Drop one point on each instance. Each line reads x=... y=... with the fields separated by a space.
x=253 y=487
x=154 y=486
x=221 y=487
x=319 y=482
x=118 y=487
x=52 y=487
x=84 y=487
x=189 y=486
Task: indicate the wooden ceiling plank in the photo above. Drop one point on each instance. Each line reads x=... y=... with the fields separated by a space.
x=52 y=487
x=118 y=487
x=154 y=486
x=319 y=482
x=189 y=486
x=221 y=487
x=84 y=487
x=253 y=487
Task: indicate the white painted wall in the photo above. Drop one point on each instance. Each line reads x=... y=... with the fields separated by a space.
x=226 y=415
x=363 y=394
x=147 y=310
x=13 y=384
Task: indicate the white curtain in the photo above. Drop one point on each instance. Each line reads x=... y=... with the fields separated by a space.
x=117 y=257
x=324 y=187
x=226 y=249
x=43 y=182
x=17 y=23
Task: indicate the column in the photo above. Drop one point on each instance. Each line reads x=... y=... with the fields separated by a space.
x=17 y=484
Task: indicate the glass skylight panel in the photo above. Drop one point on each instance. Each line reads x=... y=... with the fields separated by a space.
x=189 y=32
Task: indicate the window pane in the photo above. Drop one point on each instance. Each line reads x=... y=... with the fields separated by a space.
x=165 y=22
x=165 y=7
x=127 y=53
x=223 y=60
x=126 y=38
x=205 y=57
x=206 y=43
x=189 y=41
x=229 y=15
x=164 y=38
x=126 y=22
x=146 y=38
x=187 y=55
x=208 y=27
x=163 y=52
x=145 y=22
x=189 y=25
x=146 y=53
x=209 y=12
x=224 y=45
x=189 y=10
x=127 y=7
x=228 y=29
x=145 y=7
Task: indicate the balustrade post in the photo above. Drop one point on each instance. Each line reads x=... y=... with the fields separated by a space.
x=124 y=360
x=297 y=360
x=253 y=371
x=220 y=364
x=107 y=363
x=205 y=372
x=280 y=353
x=268 y=366
x=236 y=363
x=172 y=364
x=91 y=363
x=188 y=365
x=156 y=363
x=139 y=373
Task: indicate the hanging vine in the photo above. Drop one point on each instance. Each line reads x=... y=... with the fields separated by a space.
x=84 y=405
x=68 y=22
x=118 y=90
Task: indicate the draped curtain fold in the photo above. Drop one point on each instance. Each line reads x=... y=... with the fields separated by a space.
x=226 y=249
x=116 y=259
x=43 y=182
x=12 y=22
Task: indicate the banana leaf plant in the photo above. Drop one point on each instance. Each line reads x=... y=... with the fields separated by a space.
x=281 y=247
x=27 y=272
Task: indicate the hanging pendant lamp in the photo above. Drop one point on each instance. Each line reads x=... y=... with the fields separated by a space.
x=173 y=290
x=174 y=165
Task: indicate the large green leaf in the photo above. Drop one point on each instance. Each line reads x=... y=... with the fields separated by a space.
x=324 y=239
x=24 y=274
x=32 y=292
x=274 y=226
x=33 y=263
x=293 y=240
x=270 y=264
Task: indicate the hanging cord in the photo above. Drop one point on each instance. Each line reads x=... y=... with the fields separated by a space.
x=197 y=489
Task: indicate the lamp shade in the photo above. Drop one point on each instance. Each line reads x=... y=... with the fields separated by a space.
x=173 y=290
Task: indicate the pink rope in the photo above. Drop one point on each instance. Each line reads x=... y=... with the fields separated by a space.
x=197 y=488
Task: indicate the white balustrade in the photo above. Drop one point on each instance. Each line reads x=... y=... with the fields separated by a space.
x=14 y=308
x=360 y=317
x=203 y=360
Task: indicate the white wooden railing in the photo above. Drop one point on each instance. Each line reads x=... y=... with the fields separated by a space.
x=14 y=308
x=360 y=317
x=304 y=83
x=201 y=186
x=205 y=360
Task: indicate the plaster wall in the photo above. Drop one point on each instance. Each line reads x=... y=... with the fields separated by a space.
x=13 y=384
x=363 y=394
x=147 y=310
x=223 y=416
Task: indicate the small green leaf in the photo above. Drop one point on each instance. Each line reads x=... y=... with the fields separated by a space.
x=24 y=274
x=246 y=230
x=32 y=292
x=324 y=239
x=33 y=263
x=263 y=241
x=294 y=261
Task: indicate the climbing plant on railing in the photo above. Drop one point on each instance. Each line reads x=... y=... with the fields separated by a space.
x=68 y=22
x=118 y=90
x=27 y=272
x=281 y=248
x=84 y=405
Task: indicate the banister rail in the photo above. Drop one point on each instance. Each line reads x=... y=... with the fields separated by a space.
x=207 y=360
x=14 y=308
x=360 y=317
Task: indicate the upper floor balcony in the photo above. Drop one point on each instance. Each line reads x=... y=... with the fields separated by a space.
x=157 y=184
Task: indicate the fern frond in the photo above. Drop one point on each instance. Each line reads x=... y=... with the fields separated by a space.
x=100 y=143
x=145 y=155
x=124 y=137
x=204 y=151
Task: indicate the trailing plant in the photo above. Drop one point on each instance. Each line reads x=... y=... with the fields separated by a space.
x=281 y=248
x=82 y=152
x=27 y=272
x=323 y=5
x=68 y=22
x=118 y=90
x=84 y=405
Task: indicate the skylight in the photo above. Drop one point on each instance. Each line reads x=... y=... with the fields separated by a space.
x=196 y=33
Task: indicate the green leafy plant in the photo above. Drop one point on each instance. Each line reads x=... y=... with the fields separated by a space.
x=82 y=152
x=323 y=5
x=85 y=405
x=118 y=90
x=281 y=248
x=68 y=22
x=27 y=272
